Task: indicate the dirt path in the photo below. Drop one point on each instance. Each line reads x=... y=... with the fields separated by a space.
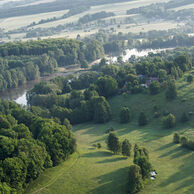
x=60 y=174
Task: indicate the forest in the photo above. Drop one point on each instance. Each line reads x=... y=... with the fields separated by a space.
x=29 y=144
x=21 y=62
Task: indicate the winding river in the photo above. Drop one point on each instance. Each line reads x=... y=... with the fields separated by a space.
x=19 y=94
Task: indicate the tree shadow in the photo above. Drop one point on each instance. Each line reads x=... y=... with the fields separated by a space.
x=113 y=182
x=176 y=152
x=112 y=160
x=97 y=154
x=184 y=176
x=166 y=146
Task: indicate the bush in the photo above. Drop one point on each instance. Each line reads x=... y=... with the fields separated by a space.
x=184 y=141
x=99 y=145
x=176 y=138
x=190 y=79
x=125 y=115
x=169 y=121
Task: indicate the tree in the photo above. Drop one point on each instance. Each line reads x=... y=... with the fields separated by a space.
x=15 y=172
x=125 y=115
x=142 y=119
x=101 y=109
x=190 y=79
x=184 y=141
x=135 y=179
x=113 y=143
x=169 y=121
x=107 y=86
x=154 y=87
x=176 y=138
x=126 y=148
x=67 y=124
x=145 y=166
x=171 y=92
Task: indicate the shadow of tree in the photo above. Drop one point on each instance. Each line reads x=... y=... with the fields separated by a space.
x=108 y=184
x=97 y=154
x=184 y=176
x=112 y=160
x=166 y=146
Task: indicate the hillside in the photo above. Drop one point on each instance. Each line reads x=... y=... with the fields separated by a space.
x=94 y=170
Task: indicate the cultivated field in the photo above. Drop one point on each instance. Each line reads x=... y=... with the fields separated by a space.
x=21 y=21
x=97 y=171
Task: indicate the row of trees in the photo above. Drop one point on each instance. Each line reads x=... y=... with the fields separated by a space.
x=140 y=170
x=117 y=147
x=96 y=16
x=28 y=145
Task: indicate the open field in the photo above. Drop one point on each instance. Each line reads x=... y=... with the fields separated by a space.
x=21 y=21
x=97 y=171
x=117 y=8
x=190 y=6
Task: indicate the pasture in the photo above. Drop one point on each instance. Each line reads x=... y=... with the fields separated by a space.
x=95 y=171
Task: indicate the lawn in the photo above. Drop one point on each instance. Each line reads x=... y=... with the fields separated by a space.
x=98 y=171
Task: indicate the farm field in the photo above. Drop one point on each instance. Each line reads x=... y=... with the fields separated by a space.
x=93 y=170
x=21 y=21
x=120 y=14
x=190 y=6
x=117 y=8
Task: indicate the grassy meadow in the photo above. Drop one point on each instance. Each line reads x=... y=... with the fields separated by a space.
x=98 y=171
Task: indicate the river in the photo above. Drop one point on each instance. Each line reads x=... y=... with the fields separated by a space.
x=19 y=94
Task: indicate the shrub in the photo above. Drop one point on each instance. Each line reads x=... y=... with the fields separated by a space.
x=125 y=115
x=169 y=121
x=99 y=145
x=176 y=138
x=184 y=141
x=190 y=79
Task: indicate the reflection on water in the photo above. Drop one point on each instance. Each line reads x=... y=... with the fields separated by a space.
x=19 y=94
x=129 y=53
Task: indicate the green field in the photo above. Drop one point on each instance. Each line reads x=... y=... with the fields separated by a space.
x=98 y=171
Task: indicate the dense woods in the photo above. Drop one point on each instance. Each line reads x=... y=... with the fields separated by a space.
x=28 y=145
x=21 y=62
